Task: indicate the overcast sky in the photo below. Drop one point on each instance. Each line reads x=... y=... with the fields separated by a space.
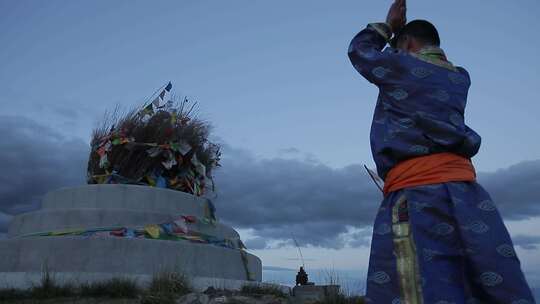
x=274 y=79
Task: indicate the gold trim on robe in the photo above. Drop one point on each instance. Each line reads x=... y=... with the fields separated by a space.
x=410 y=286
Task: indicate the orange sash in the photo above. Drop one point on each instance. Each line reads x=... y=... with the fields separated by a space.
x=429 y=169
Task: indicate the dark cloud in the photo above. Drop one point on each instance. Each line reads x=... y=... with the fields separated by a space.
x=278 y=199
x=4 y=221
x=256 y=243
x=35 y=159
x=291 y=150
x=318 y=205
x=515 y=190
x=527 y=242
x=282 y=198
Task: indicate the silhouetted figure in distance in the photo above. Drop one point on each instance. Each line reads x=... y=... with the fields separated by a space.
x=301 y=277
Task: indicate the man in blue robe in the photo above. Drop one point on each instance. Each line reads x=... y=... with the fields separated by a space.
x=438 y=237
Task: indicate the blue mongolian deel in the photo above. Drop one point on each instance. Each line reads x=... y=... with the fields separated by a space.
x=421 y=104
x=441 y=243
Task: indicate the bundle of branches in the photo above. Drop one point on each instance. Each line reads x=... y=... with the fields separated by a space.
x=162 y=146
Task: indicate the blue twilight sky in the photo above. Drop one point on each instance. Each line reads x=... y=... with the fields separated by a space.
x=270 y=75
x=274 y=79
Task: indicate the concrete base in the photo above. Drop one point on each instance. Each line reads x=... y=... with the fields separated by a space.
x=132 y=197
x=314 y=293
x=93 y=206
x=122 y=256
x=79 y=218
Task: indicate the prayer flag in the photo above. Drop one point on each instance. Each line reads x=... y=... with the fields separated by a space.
x=161 y=182
x=149 y=109
x=168 y=164
x=155 y=102
x=168 y=87
x=184 y=148
x=152 y=230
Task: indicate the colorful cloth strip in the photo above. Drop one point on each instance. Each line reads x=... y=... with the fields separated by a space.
x=176 y=230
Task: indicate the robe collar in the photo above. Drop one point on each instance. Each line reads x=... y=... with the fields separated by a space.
x=434 y=55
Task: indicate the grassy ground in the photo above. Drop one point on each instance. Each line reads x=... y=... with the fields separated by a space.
x=343 y=299
x=254 y=290
x=74 y=300
x=165 y=288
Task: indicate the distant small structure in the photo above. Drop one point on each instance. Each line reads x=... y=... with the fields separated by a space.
x=307 y=292
x=311 y=293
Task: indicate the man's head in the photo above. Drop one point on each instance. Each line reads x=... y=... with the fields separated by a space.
x=416 y=35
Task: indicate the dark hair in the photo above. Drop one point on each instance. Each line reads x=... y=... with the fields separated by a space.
x=421 y=30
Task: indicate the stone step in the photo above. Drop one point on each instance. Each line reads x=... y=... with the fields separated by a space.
x=133 y=197
x=119 y=256
x=49 y=220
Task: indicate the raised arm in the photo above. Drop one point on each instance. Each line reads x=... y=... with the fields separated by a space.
x=365 y=50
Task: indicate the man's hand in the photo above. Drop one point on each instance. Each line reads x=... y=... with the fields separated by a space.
x=397 y=15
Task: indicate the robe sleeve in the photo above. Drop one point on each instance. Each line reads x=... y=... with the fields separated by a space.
x=367 y=57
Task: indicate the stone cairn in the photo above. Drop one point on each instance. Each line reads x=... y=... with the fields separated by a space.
x=143 y=211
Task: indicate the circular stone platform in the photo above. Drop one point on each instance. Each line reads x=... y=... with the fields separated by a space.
x=23 y=255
